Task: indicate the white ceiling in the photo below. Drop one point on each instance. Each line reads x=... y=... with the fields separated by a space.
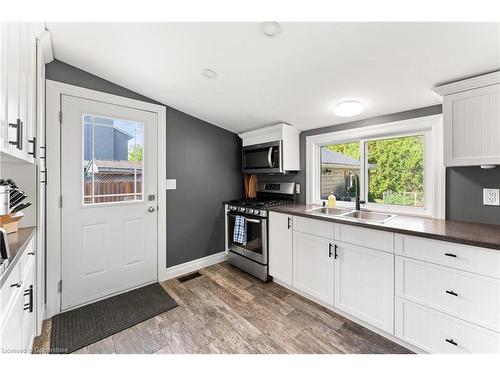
x=296 y=77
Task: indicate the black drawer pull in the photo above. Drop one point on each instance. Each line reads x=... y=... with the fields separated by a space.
x=19 y=134
x=336 y=254
x=330 y=250
x=33 y=141
x=452 y=293
x=289 y=222
x=31 y=253
x=450 y=255
x=16 y=285
x=451 y=342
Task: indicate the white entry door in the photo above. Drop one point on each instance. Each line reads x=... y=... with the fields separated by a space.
x=109 y=192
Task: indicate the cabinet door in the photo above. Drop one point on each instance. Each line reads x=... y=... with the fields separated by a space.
x=11 y=335
x=28 y=315
x=471 y=127
x=280 y=247
x=4 y=77
x=364 y=284
x=313 y=266
x=13 y=56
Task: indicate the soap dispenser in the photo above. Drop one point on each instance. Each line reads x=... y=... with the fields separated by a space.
x=331 y=200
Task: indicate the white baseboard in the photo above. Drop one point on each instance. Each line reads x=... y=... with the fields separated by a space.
x=350 y=317
x=193 y=265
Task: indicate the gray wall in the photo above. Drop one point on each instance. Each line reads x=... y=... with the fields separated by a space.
x=300 y=177
x=204 y=159
x=464 y=194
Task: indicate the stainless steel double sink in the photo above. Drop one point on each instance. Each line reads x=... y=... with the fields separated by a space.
x=353 y=215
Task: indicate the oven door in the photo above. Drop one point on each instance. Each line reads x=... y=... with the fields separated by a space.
x=262 y=158
x=256 y=246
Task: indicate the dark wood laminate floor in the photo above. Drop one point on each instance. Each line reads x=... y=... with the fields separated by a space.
x=228 y=311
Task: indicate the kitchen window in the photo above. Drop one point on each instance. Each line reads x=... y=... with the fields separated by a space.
x=399 y=165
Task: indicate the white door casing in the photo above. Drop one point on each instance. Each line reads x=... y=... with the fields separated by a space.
x=106 y=247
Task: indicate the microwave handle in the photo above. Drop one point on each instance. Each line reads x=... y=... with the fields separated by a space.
x=270 y=157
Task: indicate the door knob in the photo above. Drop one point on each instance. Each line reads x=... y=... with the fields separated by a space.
x=151 y=209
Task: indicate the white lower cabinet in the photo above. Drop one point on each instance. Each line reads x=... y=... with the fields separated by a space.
x=280 y=247
x=438 y=296
x=436 y=332
x=364 y=284
x=18 y=320
x=313 y=266
x=465 y=295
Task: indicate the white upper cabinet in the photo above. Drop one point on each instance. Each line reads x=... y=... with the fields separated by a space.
x=471 y=113
x=18 y=89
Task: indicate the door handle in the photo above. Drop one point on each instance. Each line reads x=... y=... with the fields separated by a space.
x=452 y=293
x=329 y=250
x=151 y=209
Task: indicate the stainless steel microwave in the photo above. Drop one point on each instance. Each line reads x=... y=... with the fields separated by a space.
x=263 y=158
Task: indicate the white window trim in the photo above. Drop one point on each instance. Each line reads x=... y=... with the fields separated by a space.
x=434 y=180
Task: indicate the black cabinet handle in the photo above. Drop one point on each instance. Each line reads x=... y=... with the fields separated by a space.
x=33 y=141
x=336 y=254
x=289 y=222
x=16 y=285
x=329 y=250
x=450 y=255
x=31 y=253
x=451 y=342
x=29 y=305
x=452 y=293
x=19 y=134
x=45 y=152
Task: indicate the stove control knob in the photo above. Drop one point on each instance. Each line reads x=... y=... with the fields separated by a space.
x=242 y=209
x=250 y=211
x=256 y=212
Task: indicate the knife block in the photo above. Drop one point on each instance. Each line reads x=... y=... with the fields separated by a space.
x=10 y=222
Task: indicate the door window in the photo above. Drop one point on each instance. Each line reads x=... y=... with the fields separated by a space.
x=113 y=162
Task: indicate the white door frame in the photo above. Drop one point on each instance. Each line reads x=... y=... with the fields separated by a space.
x=54 y=91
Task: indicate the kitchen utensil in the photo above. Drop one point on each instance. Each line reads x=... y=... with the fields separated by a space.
x=20 y=207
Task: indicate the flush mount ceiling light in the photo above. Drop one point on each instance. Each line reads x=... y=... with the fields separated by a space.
x=209 y=73
x=270 y=29
x=348 y=108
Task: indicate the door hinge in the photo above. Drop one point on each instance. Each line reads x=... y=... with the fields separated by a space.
x=60 y=117
x=59 y=286
x=60 y=201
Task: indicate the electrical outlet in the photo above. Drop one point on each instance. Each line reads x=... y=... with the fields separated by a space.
x=491 y=197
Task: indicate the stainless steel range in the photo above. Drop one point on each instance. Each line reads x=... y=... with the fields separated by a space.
x=252 y=256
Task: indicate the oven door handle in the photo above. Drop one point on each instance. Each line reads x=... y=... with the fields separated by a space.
x=270 y=157
x=248 y=219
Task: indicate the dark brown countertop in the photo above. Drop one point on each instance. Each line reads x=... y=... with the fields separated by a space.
x=17 y=244
x=482 y=235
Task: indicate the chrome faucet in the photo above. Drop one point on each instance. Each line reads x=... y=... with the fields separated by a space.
x=353 y=178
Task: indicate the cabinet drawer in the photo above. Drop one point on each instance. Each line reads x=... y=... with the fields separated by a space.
x=375 y=239
x=429 y=329
x=461 y=294
x=315 y=227
x=7 y=292
x=468 y=258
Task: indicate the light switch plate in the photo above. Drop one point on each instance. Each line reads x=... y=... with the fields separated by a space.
x=171 y=184
x=491 y=197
